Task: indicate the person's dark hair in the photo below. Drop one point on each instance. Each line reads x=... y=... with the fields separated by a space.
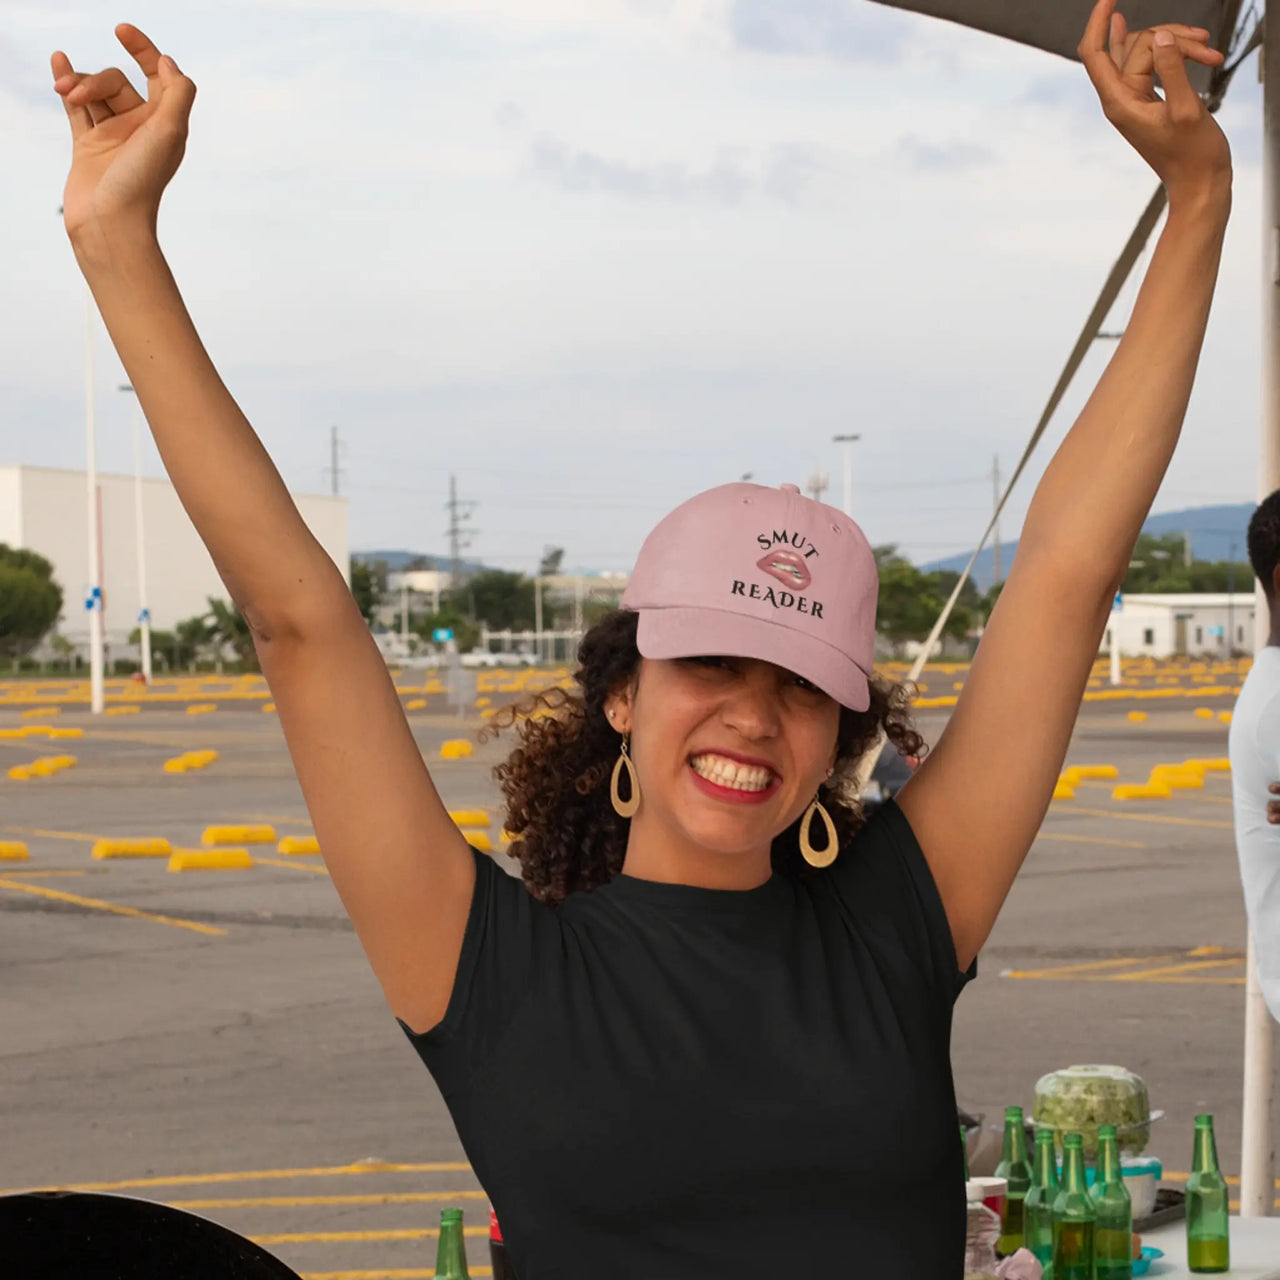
x=566 y=835
x=1264 y=540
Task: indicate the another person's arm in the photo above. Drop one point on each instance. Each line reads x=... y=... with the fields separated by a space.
x=977 y=801
x=401 y=867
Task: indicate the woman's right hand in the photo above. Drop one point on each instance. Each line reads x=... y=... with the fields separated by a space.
x=124 y=148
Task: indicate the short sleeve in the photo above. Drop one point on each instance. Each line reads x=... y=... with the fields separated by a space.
x=506 y=930
x=885 y=882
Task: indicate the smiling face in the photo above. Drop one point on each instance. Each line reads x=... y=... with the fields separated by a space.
x=728 y=752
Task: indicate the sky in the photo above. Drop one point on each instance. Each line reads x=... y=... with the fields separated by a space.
x=594 y=256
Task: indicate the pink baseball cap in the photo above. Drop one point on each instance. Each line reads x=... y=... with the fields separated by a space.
x=748 y=571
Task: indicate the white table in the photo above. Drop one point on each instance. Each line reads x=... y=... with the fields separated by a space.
x=1255 y=1250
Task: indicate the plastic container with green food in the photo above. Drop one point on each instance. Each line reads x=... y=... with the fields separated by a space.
x=1079 y=1099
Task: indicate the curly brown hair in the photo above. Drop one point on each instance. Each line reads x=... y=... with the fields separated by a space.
x=566 y=834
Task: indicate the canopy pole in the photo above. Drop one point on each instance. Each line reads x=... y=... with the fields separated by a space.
x=1257 y=1156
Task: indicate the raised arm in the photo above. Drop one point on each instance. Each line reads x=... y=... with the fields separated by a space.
x=401 y=867
x=979 y=798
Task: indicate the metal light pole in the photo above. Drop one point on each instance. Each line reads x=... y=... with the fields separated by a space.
x=847 y=442
x=144 y=613
x=93 y=599
x=1257 y=1154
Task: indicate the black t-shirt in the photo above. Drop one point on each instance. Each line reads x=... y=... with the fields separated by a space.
x=665 y=1082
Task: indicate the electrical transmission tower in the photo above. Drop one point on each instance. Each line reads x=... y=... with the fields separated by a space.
x=460 y=531
x=333 y=470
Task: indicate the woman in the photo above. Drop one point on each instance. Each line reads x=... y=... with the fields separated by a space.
x=673 y=1054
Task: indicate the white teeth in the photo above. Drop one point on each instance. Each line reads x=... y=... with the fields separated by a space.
x=729 y=773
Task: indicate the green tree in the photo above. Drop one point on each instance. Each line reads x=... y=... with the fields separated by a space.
x=368 y=586
x=908 y=605
x=30 y=600
x=500 y=599
x=230 y=628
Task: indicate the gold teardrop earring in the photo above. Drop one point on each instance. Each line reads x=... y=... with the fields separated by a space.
x=624 y=808
x=818 y=857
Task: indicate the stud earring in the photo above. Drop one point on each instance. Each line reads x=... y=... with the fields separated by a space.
x=818 y=857
x=624 y=808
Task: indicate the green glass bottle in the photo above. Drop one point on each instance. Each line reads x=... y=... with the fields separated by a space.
x=1015 y=1169
x=1208 y=1242
x=1038 y=1206
x=451 y=1253
x=1113 y=1233
x=964 y=1152
x=1073 y=1216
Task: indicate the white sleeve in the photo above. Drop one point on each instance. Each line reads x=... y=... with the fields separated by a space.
x=1258 y=849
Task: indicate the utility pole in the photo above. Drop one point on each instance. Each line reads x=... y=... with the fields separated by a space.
x=93 y=598
x=334 y=471
x=997 y=567
x=847 y=441
x=459 y=532
x=144 y=613
x=1186 y=550
x=817 y=485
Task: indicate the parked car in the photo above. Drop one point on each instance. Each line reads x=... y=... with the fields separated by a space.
x=479 y=658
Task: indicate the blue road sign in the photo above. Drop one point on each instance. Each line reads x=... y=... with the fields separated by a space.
x=441 y=634
x=1118 y=602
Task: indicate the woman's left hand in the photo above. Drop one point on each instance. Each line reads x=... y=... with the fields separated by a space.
x=1175 y=134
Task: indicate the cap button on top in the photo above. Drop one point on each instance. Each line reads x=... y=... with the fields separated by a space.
x=790 y=488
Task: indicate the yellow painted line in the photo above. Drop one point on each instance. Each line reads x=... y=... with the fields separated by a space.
x=55 y=835
x=35 y=871
x=290 y=866
x=1147 y=975
x=361 y=1237
x=97 y=904
x=1119 y=844
x=256 y=1175
x=1091 y=967
x=398 y=1273
x=1144 y=817
x=311 y=1202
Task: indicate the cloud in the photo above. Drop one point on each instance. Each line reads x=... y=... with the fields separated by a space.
x=576 y=169
x=928 y=157
x=847 y=30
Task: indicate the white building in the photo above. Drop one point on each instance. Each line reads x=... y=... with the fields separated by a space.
x=45 y=510
x=1199 y=624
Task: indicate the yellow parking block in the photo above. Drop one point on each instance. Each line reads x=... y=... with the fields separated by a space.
x=1224 y=716
x=298 y=844
x=1137 y=716
x=1219 y=764
x=252 y=834
x=32 y=712
x=268 y=707
x=1064 y=791
x=199 y=759
x=484 y=702
x=1175 y=778
x=123 y=711
x=478 y=840
x=145 y=847
x=179 y=764
x=64 y=733
x=21 y=773
x=201 y=708
x=42 y=768
x=13 y=851
x=36 y=731
x=1204 y=713
x=1097 y=772
x=1141 y=791
x=455 y=749
x=470 y=817
x=210 y=860
x=415 y=704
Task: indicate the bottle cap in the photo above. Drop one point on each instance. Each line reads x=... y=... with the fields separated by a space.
x=1073 y=1140
x=450 y=1215
x=1106 y=1131
x=1204 y=1122
x=1014 y=1114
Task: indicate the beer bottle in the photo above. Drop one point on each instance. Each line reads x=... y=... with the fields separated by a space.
x=1112 y=1240
x=1073 y=1216
x=1038 y=1206
x=451 y=1253
x=1015 y=1168
x=1208 y=1246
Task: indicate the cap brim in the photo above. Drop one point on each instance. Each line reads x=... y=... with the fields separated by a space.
x=694 y=633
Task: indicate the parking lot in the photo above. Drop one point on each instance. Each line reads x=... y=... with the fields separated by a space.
x=215 y=1040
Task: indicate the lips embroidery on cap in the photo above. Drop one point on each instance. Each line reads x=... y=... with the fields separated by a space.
x=789 y=568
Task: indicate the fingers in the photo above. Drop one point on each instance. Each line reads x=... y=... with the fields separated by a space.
x=143 y=52
x=1182 y=101
x=110 y=88
x=64 y=79
x=1093 y=51
x=1119 y=35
